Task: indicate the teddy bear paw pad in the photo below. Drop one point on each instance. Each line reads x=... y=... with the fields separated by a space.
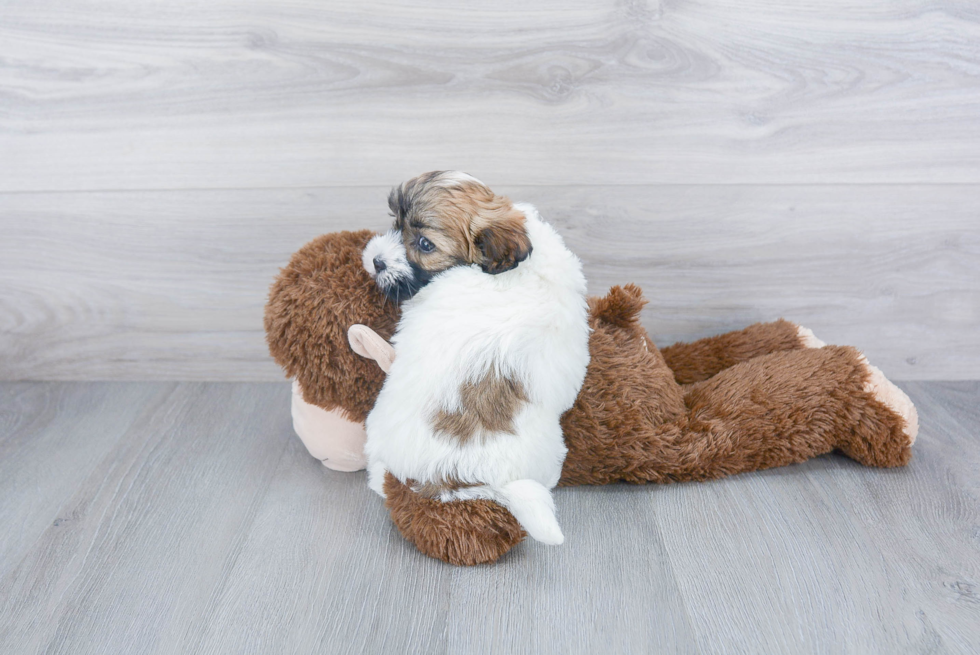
x=894 y=398
x=807 y=338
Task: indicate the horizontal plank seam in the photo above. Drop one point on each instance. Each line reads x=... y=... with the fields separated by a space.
x=501 y=184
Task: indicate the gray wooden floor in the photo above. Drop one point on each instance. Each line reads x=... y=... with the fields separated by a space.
x=186 y=518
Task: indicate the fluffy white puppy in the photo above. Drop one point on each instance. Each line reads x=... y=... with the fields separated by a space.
x=491 y=348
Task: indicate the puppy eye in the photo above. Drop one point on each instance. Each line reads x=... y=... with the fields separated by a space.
x=425 y=245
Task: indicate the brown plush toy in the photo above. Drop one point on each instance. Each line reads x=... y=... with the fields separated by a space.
x=768 y=395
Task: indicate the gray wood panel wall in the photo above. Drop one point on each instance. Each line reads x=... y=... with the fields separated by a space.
x=740 y=160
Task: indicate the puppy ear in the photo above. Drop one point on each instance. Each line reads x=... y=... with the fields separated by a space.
x=503 y=244
x=397 y=204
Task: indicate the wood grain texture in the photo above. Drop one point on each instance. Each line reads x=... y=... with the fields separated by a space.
x=53 y=437
x=171 y=285
x=614 y=589
x=151 y=528
x=126 y=94
x=207 y=528
x=834 y=550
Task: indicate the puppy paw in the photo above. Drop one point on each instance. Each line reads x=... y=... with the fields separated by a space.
x=892 y=397
x=807 y=338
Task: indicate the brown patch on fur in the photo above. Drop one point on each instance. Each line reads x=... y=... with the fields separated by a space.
x=487 y=406
x=461 y=532
x=465 y=221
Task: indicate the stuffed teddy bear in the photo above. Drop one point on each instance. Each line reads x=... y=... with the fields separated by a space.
x=769 y=395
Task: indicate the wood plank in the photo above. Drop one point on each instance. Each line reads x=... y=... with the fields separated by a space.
x=833 y=557
x=152 y=529
x=926 y=526
x=323 y=569
x=610 y=588
x=171 y=285
x=343 y=580
x=52 y=437
x=119 y=94
x=207 y=528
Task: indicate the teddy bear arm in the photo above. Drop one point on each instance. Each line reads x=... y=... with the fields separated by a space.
x=705 y=358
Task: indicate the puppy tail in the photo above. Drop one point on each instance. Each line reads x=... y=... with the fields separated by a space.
x=532 y=505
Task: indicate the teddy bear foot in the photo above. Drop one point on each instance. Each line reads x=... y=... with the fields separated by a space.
x=460 y=532
x=878 y=385
x=884 y=423
x=892 y=397
x=807 y=338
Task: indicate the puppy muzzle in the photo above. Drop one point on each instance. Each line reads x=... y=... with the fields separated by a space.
x=385 y=259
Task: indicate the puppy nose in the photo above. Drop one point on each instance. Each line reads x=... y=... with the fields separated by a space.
x=379 y=264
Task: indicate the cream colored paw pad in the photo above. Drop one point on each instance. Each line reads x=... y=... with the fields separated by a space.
x=894 y=398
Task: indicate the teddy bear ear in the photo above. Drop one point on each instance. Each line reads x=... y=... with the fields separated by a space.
x=620 y=307
x=368 y=343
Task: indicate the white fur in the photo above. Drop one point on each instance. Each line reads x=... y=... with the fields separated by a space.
x=454 y=178
x=390 y=248
x=533 y=507
x=529 y=324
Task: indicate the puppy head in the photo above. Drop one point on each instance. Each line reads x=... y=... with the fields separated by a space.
x=444 y=219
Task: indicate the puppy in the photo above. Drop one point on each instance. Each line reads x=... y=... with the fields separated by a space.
x=491 y=348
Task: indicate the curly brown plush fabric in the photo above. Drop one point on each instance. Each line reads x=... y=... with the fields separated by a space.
x=459 y=532
x=321 y=292
x=632 y=422
x=751 y=399
x=702 y=359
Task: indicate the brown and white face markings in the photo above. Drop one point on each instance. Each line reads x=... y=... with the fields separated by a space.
x=444 y=219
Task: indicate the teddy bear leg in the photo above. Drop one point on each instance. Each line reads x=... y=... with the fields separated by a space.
x=705 y=358
x=785 y=408
x=461 y=532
